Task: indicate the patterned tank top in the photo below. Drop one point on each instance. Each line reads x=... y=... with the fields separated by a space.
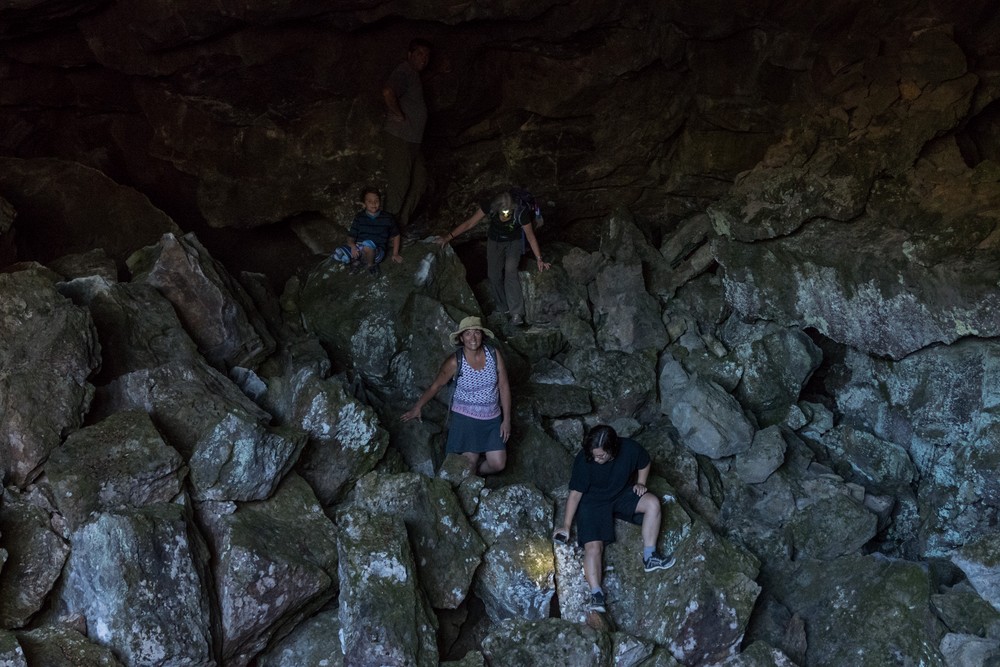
x=477 y=393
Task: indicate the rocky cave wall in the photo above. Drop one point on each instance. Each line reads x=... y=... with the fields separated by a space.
x=774 y=231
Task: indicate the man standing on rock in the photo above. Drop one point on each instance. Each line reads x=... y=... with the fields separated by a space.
x=405 y=120
x=608 y=482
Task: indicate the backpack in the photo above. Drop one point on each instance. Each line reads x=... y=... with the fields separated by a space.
x=523 y=204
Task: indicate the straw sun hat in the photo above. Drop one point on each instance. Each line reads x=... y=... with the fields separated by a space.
x=467 y=323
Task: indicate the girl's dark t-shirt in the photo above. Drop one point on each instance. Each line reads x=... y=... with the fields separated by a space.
x=602 y=482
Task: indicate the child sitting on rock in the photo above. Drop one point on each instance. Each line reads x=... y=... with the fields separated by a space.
x=370 y=233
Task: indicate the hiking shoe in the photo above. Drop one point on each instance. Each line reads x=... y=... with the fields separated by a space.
x=354 y=268
x=597 y=602
x=658 y=561
x=517 y=319
x=374 y=270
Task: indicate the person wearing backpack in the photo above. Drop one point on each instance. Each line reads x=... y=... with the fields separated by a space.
x=479 y=417
x=511 y=216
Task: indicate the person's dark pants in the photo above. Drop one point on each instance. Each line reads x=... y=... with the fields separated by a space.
x=406 y=177
x=502 y=260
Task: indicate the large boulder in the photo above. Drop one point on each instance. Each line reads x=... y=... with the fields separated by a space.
x=849 y=594
x=34 y=561
x=138 y=578
x=620 y=383
x=314 y=641
x=118 y=463
x=709 y=419
x=776 y=363
x=627 y=317
x=407 y=310
x=517 y=576
x=224 y=436
x=345 y=438
x=551 y=641
x=57 y=646
x=138 y=329
x=447 y=549
x=700 y=608
x=274 y=562
x=48 y=349
x=385 y=618
x=215 y=309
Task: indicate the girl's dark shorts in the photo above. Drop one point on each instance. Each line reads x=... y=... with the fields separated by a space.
x=596 y=521
x=466 y=434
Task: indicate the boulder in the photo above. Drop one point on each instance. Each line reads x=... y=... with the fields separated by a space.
x=138 y=329
x=393 y=329
x=555 y=400
x=630 y=651
x=969 y=650
x=758 y=654
x=625 y=244
x=620 y=384
x=314 y=641
x=516 y=579
x=978 y=559
x=224 y=437
x=878 y=465
x=700 y=608
x=627 y=318
x=765 y=455
x=11 y=653
x=48 y=349
x=533 y=457
x=385 y=617
x=892 y=628
x=120 y=462
x=966 y=612
x=550 y=296
x=137 y=577
x=214 y=308
x=446 y=548
x=709 y=420
x=829 y=520
x=536 y=343
x=35 y=555
x=777 y=362
x=55 y=646
x=345 y=438
x=551 y=641
x=274 y=562
x=85 y=264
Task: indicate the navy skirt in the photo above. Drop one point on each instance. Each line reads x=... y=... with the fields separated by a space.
x=466 y=434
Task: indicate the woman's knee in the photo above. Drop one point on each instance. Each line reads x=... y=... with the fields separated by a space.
x=648 y=504
x=497 y=459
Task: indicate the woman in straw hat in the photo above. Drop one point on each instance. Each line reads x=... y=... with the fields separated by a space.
x=479 y=422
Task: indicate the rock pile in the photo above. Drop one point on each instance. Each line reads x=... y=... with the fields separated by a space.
x=202 y=472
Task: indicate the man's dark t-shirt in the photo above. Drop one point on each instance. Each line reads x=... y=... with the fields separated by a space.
x=602 y=482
